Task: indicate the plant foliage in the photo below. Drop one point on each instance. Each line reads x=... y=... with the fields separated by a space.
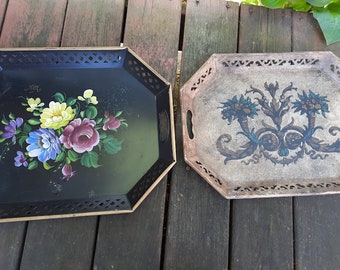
x=326 y=12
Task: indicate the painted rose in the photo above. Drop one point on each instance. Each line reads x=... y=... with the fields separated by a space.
x=112 y=122
x=80 y=135
x=67 y=172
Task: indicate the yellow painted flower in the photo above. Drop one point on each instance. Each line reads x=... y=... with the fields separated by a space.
x=88 y=97
x=57 y=115
x=34 y=104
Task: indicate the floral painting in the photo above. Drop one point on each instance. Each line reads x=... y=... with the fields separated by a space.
x=279 y=138
x=59 y=133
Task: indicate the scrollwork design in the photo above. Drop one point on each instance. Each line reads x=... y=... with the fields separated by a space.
x=281 y=144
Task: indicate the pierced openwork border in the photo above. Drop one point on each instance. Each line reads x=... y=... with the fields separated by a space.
x=56 y=58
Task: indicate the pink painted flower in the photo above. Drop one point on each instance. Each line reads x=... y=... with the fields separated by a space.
x=112 y=123
x=67 y=172
x=80 y=135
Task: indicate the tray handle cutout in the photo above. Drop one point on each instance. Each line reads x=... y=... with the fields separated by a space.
x=189 y=124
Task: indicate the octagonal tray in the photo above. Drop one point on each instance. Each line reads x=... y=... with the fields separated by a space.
x=83 y=131
x=265 y=125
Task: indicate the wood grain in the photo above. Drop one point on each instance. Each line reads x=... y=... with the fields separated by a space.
x=198 y=218
x=152 y=29
x=317 y=219
x=135 y=241
x=3 y=6
x=101 y=23
x=262 y=235
x=12 y=237
x=28 y=23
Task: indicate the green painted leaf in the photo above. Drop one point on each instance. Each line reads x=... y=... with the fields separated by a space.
x=60 y=157
x=103 y=135
x=329 y=21
x=27 y=127
x=71 y=101
x=11 y=116
x=112 y=145
x=22 y=140
x=118 y=113
x=59 y=97
x=273 y=3
x=91 y=112
x=4 y=121
x=36 y=113
x=73 y=156
x=319 y=3
x=2 y=139
x=99 y=120
x=33 y=121
x=90 y=160
x=47 y=166
x=82 y=114
x=32 y=165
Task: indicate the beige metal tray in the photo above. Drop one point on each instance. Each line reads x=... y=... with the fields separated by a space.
x=265 y=125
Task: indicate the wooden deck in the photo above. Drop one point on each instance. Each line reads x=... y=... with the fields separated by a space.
x=183 y=223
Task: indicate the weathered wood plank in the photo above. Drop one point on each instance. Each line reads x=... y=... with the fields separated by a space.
x=28 y=23
x=262 y=233
x=134 y=241
x=317 y=219
x=152 y=30
x=100 y=25
x=59 y=244
x=12 y=236
x=3 y=6
x=198 y=217
x=210 y=27
x=307 y=35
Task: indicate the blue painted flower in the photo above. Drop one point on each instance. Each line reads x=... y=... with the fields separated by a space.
x=11 y=128
x=311 y=104
x=20 y=159
x=44 y=144
x=238 y=109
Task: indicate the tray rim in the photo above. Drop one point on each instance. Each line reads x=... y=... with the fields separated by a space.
x=204 y=170
x=171 y=133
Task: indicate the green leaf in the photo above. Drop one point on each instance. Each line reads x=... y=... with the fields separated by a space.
x=118 y=113
x=36 y=113
x=60 y=157
x=27 y=127
x=329 y=21
x=91 y=112
x=33 y=121
x=82 y=114
x=73 y=156
x=22 y=140
x=71 y=101
x=47 y=166
x=11 y=116
x=59 y=97
x=2 y=139
x=90 y=160
x=273 y=3
x=102 y=135
x=32 y=165
x=112 y=145
x=124 y=124
x=99 y=120
x=4 y=121
x=299 y=5
x=250 y=2
x=319 y=3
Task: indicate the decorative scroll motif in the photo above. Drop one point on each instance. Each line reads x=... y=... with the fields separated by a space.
x=281 y=144
x=201 y=79
x=335 y=69
x=58 y=58
x=208 y=172
x=56 y=136
x=288 y=187
x=270 y=62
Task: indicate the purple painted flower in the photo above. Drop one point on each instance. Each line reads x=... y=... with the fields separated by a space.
x=20 y=159
x=67 y=172
x=11 y=128
x=44 y=144
x=80 y=135
x=112 y=123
